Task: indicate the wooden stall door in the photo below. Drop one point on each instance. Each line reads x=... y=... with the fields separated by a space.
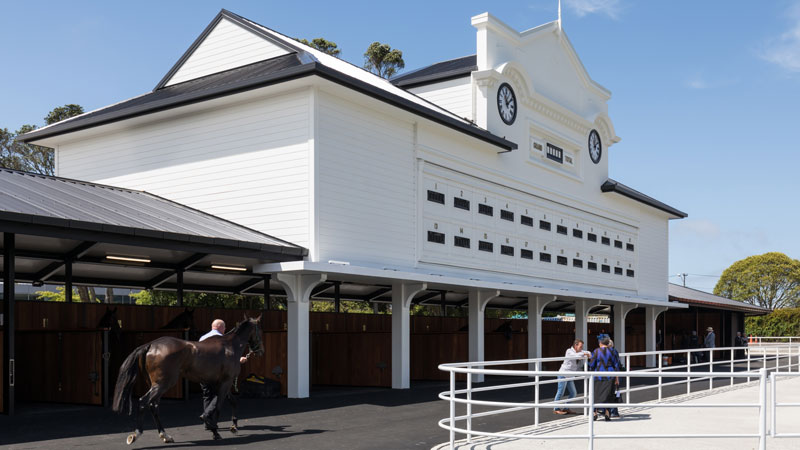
x=351 y=359
x=273 y=363
x=60 y=366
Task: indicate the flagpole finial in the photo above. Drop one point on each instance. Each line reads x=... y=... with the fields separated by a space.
x=559 y=15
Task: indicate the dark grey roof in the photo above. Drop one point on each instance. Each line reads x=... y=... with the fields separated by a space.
x=299 y=63
x=36 y=200
x=441 y=71
x=615 y=186
x=693 y=296
x=216 y=85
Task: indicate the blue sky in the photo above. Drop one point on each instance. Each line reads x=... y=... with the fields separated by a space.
x=706 y=94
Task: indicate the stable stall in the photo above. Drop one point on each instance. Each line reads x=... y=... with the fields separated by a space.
x=68 y=232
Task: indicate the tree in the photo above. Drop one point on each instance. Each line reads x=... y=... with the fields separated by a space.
x=383 y=60
x=60 y=113
x=58 y=296
x=32 y=158
x=771 y=280
x=323 y=45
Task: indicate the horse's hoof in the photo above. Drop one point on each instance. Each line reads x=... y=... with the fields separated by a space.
x=131 y=439
x=217 y=437
x=234 y=430
x=165 y=438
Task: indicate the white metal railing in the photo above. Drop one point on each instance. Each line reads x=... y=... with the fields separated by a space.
x=773 y=430
x=773 y=339
x=781 y=358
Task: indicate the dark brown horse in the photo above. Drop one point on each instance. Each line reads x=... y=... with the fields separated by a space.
x=214 y=362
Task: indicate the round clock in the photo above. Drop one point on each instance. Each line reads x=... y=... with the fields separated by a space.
x=595 y=146
x=506 y=103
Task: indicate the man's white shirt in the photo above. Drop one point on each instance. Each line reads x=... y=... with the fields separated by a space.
x=210 y=334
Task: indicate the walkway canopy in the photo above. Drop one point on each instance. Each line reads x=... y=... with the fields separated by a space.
x=69 y=232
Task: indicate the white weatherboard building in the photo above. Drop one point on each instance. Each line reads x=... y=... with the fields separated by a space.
x=477 y=181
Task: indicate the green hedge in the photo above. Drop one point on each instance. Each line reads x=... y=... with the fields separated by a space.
x=781 y=322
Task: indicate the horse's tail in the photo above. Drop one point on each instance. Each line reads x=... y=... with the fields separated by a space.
x=123 y=392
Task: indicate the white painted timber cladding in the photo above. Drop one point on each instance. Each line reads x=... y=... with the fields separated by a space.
x=452 y=95
x=227 y=46
x=367 y=194
x=247 y=162
x=472 y=225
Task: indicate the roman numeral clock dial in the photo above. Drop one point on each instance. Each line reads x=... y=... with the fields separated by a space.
x=506 y=104
x=595 y=146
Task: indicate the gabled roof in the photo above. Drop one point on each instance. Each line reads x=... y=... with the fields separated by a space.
x=302 y=61
x=30 y=199
x=437 y=72
x=615 y=186
x=683 y=294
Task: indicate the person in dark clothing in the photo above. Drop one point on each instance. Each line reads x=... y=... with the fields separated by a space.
x=694 y=342
x=604 y=359
x=740 y=341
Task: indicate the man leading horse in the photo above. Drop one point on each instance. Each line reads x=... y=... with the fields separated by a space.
x=210 y=414
x=215 y=362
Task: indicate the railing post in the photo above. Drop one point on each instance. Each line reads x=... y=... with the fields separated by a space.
x=660 y=367
x=452 y=409
x=711 y=369
x=628 y=381
x=689 y=369
x=732 y=359
x=585 y=384
x=591 y=412
x=469 y=406
x=538 y=367
x=749 y=354
x=762 y=409
x=773 y=407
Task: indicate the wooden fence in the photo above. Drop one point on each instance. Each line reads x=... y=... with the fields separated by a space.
x=60 y=345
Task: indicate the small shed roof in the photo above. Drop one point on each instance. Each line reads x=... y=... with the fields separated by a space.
x=682 y=294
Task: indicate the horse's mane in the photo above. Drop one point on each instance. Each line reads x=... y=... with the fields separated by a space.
x=240 y=326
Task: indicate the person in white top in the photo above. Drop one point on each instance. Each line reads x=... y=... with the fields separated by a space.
x=576 y=354
x=209 y=392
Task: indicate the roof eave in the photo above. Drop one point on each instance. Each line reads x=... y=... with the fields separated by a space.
x=614 y=186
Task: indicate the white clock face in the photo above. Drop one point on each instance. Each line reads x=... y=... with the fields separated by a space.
x=506 y=104
x=595 y=146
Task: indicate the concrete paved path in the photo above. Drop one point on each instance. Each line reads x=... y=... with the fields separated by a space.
x=653 y=420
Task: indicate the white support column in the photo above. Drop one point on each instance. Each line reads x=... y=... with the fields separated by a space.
x=621 y=311
x=402 y=295
x=536 y=304
x=298 y=293
x=651 y=314
x=582 y=308
x=478 y=299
